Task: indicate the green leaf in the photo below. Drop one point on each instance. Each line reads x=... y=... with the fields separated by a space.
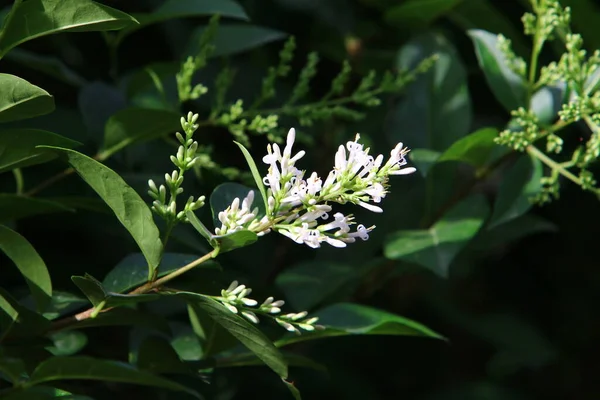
x=8 y=316
x=293 y=389
x=518 y=185
x=133 y=125
x=200 y=228
x=235 y=240
x=250 y=360
x=173 y=9
x=14 y=207
x=67 y=343
x=101 y=298
x=125 y=317
x=232 y=39
x=29 y=263
x=547 y=102
x=128 y=206
x=49 y=65
x=475 y=149
x=132 y=270
x=424 y=159
x=509 y=88
x=436 y=247
x=88 y=368
x=18 y=147
x=436 y=108
x=63 y=303
x=44 y=393
x=13 y=368
x=418 y=13
x=156 y=355
x=92 y=204
x=242 y=330
x=35 y=18
x=255 y=174
x=20 y=99
x=18 y=320
x=345 y=319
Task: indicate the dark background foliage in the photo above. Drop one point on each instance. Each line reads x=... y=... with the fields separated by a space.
x=520 y=313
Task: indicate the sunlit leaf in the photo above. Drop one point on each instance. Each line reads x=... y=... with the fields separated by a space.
x=475 y=149
x=20 y=99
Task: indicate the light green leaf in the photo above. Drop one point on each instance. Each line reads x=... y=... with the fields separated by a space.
x=29 y=263
x=436 y=247
x=343 y=319
x=225 y=193
x=132 y=270
x=88 y=368
x=133 y=125
x=200 y=228
x=173 y=9
x=20 y=99
x=255 y=174
x=436 y=108
x=35 y=18
x=242 y=330
x=14 y=207
x=232 y=39
x=8 y=316
x=519 y=184
x=418 y=13
x=67 y=343
x=128 y=206
x=509 y=88
x=18 y=147
x=49 y=65
x=235 y=240
x=475 y=149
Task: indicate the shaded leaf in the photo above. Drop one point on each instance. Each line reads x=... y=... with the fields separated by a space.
x=35 y=18
x=14 y=207
x=63 y=368
x=509 y=88
x=18 y=147
x=30 y=265
x=19 y=321
x=13 y=368
x=293 y=389
x=100 y=297
x=424 y=159
x=250 y=359
x=436 y=247
x=127 y=205
x=124 y=317
x=63 y=303
x=474 y=149
x=418 y=13
x=20 y=99
x=156 y=355
x=49 y=65
x=98 y=101
x=82 y=203
x=67 y=343
x=344 y=319
x=547 y=102
x=44 y=393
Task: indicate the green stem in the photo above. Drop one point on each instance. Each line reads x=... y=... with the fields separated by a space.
x=7 y=22
x=19 y=180
x=550 y=163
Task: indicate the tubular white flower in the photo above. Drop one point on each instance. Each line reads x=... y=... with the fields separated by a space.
x=235 y=218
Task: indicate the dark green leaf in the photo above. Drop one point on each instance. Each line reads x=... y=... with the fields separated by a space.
x=186 y=342
x=509 y=88
x=255 y=174
x=424 y=114
x=424 y=159
x=235 y=240
x=128 y=206
x=67 y=343
x=156 y=355
x=474 y=149
x=233 y=39
x=13 y=368
x=436 y=247
x=44 y=393
x=63 y=303
x=137 y=124
x=14 y=207
x=344 y=319
x=250 y=359
x=20 y=99
x=19 y=321
x=29 y=263
x=293 y=389
x=172 y=9
x=200 y=228
x=124 y=317
x=35 y=18
x=100 y=297
x=8 y=316
x=132 y=270
x=63 y=368
x=519 y=184
x=18 y=147
x=418 y=13
x=242 y=330
x=49 y=65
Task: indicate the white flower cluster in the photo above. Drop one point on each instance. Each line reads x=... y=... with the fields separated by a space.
x=296 y=206
x=234 y=298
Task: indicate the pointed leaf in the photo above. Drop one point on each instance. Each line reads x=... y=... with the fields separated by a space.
x=436 y=247
x=232 y=39
x=424 y=159
x=29 y=263
x=18 y=147
x=35 y=18
x=14 y=207
x=20 y=99
x=344 y=319
x=242 y=330
x=127 y=205
x=474 y=149
x=509 y=88
x=66 y=368
x=235 y=240
x=101 y=298
x=293 y=389
x=255 y=174
x=200 y=228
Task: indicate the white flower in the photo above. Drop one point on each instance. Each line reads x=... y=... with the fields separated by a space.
x=235 y=218
x=398 y=160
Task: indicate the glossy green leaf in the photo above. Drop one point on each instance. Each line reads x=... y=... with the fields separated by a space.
x=186 y=342
x=520 y=182
x=14 y=207
x=35 y=18
x=418 y=13
x=436 y=247
x=133 y=125
x=255 y=174
x=88 y=368
x=100 y=297
x=509 y=88
x=235 y=240
x=63 y=303
x=125 y=317
x=475 y=149
x=241 y=329
x=49 y=65
x=250 y=360
x=8 y=316
x=200 y=228
x=232 y=39
x=131 y=210
x=67 y=343
x=18 y=147
x=132 y=270
x=436 y=108
x=156 y=355
x=173 y=9
x=30 y=265
x=20 y=99
x=343 y=319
